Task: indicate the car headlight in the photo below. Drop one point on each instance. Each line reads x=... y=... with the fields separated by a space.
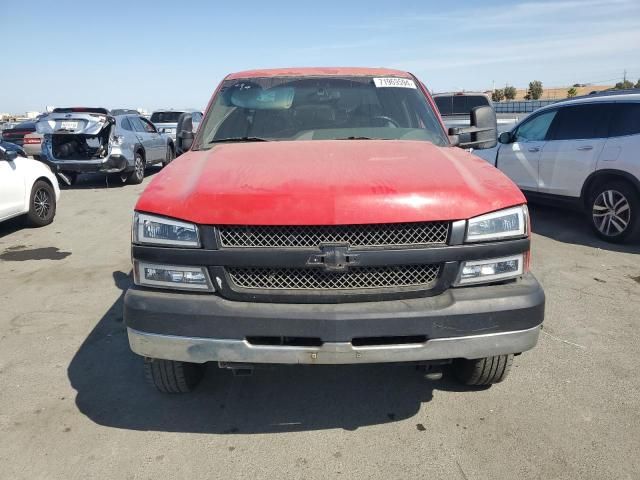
x=153 y=230
x=171 y=276
x=491 y=270
x=508 y=223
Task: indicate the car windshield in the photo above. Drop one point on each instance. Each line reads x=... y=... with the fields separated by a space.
x=165 y=117
x=320 y=108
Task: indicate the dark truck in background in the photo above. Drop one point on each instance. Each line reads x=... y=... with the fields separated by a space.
x=326 y=216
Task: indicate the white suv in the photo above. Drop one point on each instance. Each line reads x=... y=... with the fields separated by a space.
x=27 y=187
x=583 y=152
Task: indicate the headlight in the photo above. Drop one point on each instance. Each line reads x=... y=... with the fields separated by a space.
x=494 y=269
x=154 y=230
x=508 y=223
x=171 y=276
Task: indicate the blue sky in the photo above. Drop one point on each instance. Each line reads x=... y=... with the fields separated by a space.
x=154 y=54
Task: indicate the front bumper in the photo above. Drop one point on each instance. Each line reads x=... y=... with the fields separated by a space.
x=470 y=322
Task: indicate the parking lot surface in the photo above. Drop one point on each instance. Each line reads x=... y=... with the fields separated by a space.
x=74 y=404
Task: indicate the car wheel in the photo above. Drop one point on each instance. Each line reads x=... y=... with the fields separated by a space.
x=483 y=371
x=615 y=212
x=170 y=156
x=170 y=376
x=42 y=204
x=137 y=175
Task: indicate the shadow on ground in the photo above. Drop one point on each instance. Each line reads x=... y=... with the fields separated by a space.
x=12 y=225
x=572 y=227
x=111 y=391
x=101 y=180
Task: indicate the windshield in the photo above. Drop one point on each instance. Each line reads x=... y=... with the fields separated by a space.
x=165 y=117
x=320 y=108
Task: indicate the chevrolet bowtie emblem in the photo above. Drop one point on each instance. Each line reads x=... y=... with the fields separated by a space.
x=334 y=258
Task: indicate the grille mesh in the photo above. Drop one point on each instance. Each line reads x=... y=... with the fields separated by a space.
x=314 y=279
x=375 y=235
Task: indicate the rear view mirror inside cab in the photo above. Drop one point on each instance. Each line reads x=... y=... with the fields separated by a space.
x=256 y=98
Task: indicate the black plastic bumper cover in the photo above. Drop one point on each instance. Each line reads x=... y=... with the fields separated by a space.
x=458 y=312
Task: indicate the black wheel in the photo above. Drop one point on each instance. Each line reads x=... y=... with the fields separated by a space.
x=170 y=376
x=615 y=211
x=170 y=156
x=42 y=204
x=137 y=175
x=483 y=371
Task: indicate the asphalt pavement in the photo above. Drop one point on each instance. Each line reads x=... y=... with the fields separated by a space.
x=74 y=404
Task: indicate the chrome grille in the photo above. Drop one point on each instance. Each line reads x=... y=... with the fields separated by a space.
x=353 y=279
x=372 y=235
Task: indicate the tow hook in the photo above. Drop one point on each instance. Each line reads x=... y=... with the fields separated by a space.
x=238 y=369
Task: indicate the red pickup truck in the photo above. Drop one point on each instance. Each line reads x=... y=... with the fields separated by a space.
x=325 y=216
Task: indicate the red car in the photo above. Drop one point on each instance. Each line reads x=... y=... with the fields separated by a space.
x=325 y=216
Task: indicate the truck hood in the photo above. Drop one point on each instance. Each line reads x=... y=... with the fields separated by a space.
x=328 y=182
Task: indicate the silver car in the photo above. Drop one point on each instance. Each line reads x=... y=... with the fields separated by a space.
x=84 y=140
x=166 y=121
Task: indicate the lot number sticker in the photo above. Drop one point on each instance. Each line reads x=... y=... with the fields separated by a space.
x=394 y=82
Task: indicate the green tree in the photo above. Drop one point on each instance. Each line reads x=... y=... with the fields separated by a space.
x=572 y=92
x=510 y=92
x=535 y=90
x=497 y=95
x=624 y=85
x=638 y=83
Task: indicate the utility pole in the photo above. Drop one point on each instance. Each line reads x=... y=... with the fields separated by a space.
x=624 y=76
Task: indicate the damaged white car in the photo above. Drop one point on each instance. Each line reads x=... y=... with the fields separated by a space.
x=86 y=140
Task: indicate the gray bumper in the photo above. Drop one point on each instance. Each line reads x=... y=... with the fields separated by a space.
x=200 y=350
x=473 y=322
x=110 y=164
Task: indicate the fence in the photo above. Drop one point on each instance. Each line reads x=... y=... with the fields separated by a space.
x=521 y=106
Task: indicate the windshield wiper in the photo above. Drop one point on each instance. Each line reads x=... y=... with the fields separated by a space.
x=240 y=139
x=361 y=138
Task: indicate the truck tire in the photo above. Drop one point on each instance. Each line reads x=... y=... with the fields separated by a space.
x=483 y=371
x=614 y=209
x=42 y=204
x=170 y=376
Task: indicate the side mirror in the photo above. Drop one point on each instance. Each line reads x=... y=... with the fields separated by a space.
x=184 y=133
x=8 y=155
x=506 y=137
x=482 y=133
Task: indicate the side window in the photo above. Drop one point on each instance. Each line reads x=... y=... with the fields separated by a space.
x=196 y=118
x=137 y=124
x=625 y=119
x=126 y=125
x=537 y=128
x=444 y=105
x=459 y=105
x=147 y=125
x=581 y=122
